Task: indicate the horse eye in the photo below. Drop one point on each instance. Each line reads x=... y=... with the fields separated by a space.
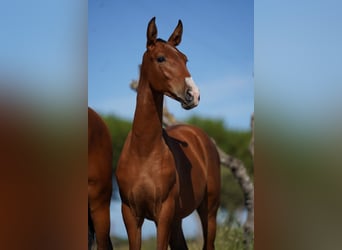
x=161 y=59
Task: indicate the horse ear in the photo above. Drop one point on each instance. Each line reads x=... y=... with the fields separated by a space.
x=151 y=32
x=176 y=36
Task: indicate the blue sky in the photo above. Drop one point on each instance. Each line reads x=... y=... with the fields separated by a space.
x=298 y=63
x=217 y=39
x=43 y=49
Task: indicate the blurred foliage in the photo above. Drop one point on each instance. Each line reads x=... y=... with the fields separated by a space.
x=234 y=143
x=119 y=129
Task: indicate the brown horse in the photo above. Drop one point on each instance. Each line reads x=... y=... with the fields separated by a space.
x=99 y=181
x=164 y=175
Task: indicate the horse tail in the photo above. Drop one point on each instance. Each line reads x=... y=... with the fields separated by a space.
x=91 y=230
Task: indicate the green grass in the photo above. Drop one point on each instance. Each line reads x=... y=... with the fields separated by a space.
x=227 y=238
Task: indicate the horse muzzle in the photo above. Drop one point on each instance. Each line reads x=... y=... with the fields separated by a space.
x=192 y=95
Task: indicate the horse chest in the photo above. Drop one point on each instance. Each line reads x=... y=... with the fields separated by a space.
x=146 y=195
x=146 y=185
x=156 y=182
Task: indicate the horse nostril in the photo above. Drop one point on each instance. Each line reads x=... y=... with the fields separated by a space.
x=199 y=97
x=188 y=96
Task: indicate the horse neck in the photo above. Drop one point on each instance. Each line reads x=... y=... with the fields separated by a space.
x=147 y=124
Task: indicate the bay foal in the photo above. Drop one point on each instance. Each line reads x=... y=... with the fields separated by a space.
x=164 y=175
x=99 y=181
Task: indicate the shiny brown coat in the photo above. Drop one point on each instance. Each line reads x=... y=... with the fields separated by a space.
x=164 y=175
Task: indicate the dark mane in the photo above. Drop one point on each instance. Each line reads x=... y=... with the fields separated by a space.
x=161 y=40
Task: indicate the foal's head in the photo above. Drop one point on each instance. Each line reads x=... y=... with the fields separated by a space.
x=165 y=67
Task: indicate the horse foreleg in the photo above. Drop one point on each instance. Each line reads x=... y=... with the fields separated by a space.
x=177 y=240
x=133 y=227
x=164 y=223
x=101 y=221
